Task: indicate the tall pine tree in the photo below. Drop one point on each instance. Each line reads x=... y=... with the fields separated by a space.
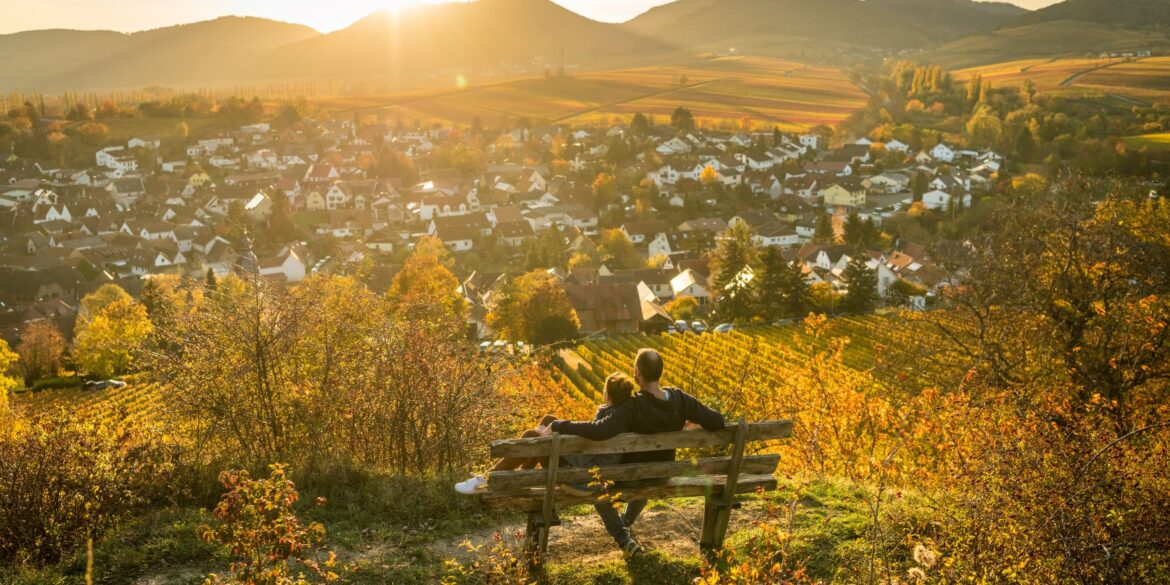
x=734 y=253
x=863 y=294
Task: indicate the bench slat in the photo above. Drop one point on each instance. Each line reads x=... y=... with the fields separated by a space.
x=678 y=487
x=633 y=442
x=502 y=482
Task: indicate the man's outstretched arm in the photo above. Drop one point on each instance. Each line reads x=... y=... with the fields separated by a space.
x=700 y=414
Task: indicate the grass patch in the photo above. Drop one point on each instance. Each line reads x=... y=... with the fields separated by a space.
x=651 y=568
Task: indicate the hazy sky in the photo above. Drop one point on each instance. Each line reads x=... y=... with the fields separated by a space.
x=131 y=15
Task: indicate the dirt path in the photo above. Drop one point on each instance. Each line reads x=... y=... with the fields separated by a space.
x=668 y=526
x=1076 y=76
x=571 y=357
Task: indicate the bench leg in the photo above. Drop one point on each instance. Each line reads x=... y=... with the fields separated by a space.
x=715 y=518
x=532 y=539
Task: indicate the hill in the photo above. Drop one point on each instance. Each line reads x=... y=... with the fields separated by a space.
x=1125 y=13
x=1058 y=38
x=209 y=52
x=418 y=42
x=871 y=23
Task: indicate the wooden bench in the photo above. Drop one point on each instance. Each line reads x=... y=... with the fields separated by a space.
x=718 y=479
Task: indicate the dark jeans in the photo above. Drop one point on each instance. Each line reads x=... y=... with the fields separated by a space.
x=618 y=525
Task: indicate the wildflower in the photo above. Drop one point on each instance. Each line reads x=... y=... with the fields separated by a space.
x=924 y=556
x=917 y=575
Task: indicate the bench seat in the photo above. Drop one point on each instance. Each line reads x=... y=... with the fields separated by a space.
x=674 y=487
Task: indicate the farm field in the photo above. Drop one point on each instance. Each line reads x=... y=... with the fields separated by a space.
x=718 y=91
x=1145 y=79
x=1152 y=141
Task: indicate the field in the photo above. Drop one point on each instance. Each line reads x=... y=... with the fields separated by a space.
x=718 y=91
x=1143 y=80
x=1152 y=141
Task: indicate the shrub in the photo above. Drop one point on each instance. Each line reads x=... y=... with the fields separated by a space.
x=266 y=540
x=63 y=480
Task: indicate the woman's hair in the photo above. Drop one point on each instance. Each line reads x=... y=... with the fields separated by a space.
x=619 y=388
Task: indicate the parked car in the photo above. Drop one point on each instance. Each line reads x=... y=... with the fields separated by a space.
x=682 y=326
x=698 y=327
x=671 y=329
x=103 y=384
x=724 y=328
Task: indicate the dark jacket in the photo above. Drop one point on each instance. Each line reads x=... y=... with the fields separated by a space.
x=645 y=414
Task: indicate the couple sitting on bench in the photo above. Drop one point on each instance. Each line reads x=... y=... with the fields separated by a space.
x=652 y=409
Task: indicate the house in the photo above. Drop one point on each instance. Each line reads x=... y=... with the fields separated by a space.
x=117 y=158
x=515 y=233
x=126 y=191
x=259 y=207
x=641 y=232
x=888 y=182
x=828 y=167
x=778 y=234
x=939 y=200
x=457 y=237
x=144 y=142
x=612 y=308
x=943 y=152
x=844 y=194
x=897 y=146
x=812 y=141
x=689 y=283
x=288 y=265
x=753 y=219
x=322 y=173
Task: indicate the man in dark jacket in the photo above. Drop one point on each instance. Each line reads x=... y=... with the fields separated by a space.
x=652 y=410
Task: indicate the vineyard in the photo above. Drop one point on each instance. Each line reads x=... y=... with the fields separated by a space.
x=710 y=365
x=136 y=403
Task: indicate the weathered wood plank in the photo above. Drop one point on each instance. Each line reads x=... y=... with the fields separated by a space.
x=504 y=482
x=633 y=442
x=550 y=493
x=679 y=487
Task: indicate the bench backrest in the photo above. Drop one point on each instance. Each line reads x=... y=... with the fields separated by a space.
x=634 y=443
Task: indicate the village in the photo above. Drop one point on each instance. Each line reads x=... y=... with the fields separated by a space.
x=347 y=192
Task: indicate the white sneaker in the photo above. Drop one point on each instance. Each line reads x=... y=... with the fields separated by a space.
x=472 y=486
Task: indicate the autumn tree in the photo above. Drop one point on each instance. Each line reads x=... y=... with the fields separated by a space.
x=8 y=383
x=683 y=308
x=1090 y=260
x=41 y=347
x=709 y=176
x=536 y=309
x=426 y=290
x=617 y=251
x=604 y=189
x=110 y=332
